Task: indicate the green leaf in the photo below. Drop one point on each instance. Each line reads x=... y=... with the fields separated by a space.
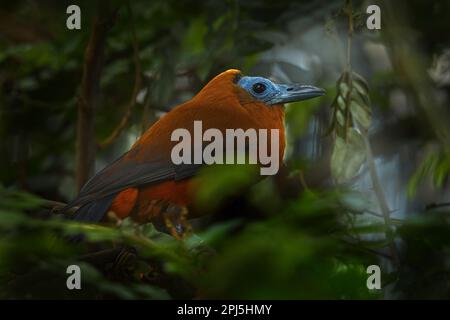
x=344 y=89
x=436 y=165
x=340 y=118
x=361 y=115
x=341 y=103
x=362 y=99
x=360 y=88
x=360 y=81
x=347 y=158
x=441 y=171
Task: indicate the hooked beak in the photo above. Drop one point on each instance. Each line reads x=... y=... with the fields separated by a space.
x=295 y=92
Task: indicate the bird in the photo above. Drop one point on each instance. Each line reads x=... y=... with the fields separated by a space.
x=144 y=183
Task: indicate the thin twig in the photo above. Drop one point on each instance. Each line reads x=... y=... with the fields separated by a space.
x=377 y=187
x=348 y=97
x=378 y=215
x=370 y=159
x=357 y=245
x=349 y=12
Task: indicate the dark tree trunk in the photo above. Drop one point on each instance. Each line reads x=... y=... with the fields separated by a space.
x=90 y=83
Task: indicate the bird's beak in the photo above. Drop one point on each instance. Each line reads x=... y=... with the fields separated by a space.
x=295 y=92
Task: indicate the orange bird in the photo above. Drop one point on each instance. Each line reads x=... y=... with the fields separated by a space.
x=145 y=176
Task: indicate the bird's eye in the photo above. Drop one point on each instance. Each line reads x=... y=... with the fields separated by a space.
x=259 y=87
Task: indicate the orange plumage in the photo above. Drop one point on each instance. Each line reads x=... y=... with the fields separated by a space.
x=220 y=104
x=145 y=173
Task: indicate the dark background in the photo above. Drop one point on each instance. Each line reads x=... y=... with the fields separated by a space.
x=72 y=101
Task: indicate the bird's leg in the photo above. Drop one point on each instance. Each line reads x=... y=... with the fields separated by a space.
x=112 y=217
x=166 y=217
x=175 y=219
x=170 y=218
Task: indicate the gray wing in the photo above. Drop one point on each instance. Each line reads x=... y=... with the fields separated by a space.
x=98 y=193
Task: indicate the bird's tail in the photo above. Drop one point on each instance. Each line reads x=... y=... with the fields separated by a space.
x=92 y=212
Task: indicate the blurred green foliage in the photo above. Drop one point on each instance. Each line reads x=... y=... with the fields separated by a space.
x=41 y=75
x=435 y=165
x=317 y=244
x=304 y=248
x=295 y=253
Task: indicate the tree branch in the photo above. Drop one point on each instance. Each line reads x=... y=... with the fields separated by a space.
x=90 y=83
x=377 y=187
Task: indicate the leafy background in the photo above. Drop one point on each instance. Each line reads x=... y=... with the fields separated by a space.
x=366 y=177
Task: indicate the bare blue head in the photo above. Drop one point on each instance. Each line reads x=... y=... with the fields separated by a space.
x=271 y=93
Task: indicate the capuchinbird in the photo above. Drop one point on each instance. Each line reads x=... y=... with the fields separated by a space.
x=145 y=176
